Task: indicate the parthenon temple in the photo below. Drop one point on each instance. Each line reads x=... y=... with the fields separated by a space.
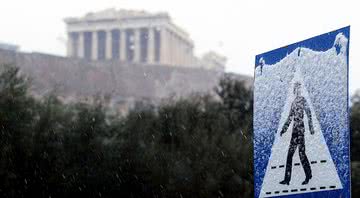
x=132 y=36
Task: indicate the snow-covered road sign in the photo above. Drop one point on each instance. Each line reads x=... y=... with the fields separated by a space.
x=301 y=119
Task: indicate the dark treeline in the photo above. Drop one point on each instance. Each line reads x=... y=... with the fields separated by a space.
x=355 y=144
x=195 y=147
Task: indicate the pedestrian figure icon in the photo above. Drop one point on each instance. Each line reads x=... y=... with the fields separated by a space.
x=298 y=108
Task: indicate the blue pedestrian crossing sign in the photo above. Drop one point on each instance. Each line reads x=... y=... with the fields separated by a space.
x=301 y=119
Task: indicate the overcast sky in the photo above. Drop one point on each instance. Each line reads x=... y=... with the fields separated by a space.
x=238 y=29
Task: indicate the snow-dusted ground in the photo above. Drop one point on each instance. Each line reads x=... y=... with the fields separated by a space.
x=324 y=80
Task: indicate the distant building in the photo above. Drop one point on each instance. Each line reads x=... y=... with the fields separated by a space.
x=130 y=36
x=212 y=60
x=10 y=47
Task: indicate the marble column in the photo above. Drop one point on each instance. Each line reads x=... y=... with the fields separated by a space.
x=70 y=45
x=188 y=51
x=94 y=50
x=180 y=52
x=188 y=54
x=171 y=48
x=80 y=47
x=183 y=51
x=151 y=46
x=177 y=50
x=108 y=45
x=137 y=45
x=122 y=49
x=164 y=53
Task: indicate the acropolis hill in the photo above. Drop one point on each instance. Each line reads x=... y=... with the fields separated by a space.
x=128 y=55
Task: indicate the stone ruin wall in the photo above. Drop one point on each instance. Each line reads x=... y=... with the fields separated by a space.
x=77 y=78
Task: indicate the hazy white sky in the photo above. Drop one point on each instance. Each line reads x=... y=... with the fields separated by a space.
x=238 y=29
